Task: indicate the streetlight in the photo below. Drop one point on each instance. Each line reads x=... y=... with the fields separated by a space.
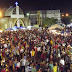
x=63 y=15
x=67 y=14
x=0 y=14
x=28 y=14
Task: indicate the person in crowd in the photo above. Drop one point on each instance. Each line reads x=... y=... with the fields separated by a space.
x=32 y=54
x=55 y=67
x=23 y=64
x=10 y=65
x=18 y=66
x=39 y=70
x=33 y=69
x=51 y=66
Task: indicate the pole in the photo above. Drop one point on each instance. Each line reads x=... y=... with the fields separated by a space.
x=51 y=4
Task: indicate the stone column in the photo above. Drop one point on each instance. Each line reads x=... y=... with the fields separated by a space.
x=17 y=13
x=18 y=23
x=10 y=24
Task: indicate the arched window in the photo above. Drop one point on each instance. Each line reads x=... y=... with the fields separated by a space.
x=14 y=11
x=20 y=11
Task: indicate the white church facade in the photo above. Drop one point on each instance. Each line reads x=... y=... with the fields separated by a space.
x=14 y=16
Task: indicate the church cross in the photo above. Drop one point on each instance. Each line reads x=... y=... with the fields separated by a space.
x=16 y=3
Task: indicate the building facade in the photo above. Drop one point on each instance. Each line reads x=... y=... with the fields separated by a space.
x=14 y=16
x=36 y=17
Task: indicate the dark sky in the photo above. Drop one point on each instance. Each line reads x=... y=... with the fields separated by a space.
x=63 y=5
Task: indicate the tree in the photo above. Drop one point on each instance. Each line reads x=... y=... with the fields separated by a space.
x=49 y=21
x=66 y=20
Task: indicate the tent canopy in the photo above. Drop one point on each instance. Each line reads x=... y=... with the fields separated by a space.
x=15 y=28
x=57 y=29
x=9 y=29
x=22 y=27
x=69 y=25
x=65 y=31
x=56 y=26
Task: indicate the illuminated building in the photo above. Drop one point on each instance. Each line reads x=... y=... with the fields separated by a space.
x=37 y=16
x=13 y=16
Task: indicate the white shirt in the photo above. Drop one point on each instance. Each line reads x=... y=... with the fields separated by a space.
x=58 y=54
x=45 y=43
x=18 y=64
x=21 y=51
x=3 y=60
x=23 y=62
x=47 y=40
x=7 y=50
x=64 y=44
x=63 y=52
x=27 y=69
x=38 y=48
x=62 y=62
x=43 y=48
x=5 y=45
x=17 y=52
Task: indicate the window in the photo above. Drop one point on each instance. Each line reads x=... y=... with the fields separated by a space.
x=20 y=11
x=14 y=11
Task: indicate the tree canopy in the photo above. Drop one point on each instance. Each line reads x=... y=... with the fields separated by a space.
x=66 y=20
x=49 y=21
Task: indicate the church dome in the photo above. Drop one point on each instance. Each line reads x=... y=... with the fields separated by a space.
x=9 y=11
x=12 y=11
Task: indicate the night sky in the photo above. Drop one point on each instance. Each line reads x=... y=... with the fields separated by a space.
x=63 y=5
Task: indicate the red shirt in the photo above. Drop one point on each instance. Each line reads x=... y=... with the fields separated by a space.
x=59 y=40
x=3 y=54
x=55 y=39
x=39 y=39
x=56 y=47
x=15 y=39
x=50 y=58
x=2 y=70
x=42 y=56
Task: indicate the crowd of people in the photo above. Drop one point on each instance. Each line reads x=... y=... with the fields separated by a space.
x=35 y=51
